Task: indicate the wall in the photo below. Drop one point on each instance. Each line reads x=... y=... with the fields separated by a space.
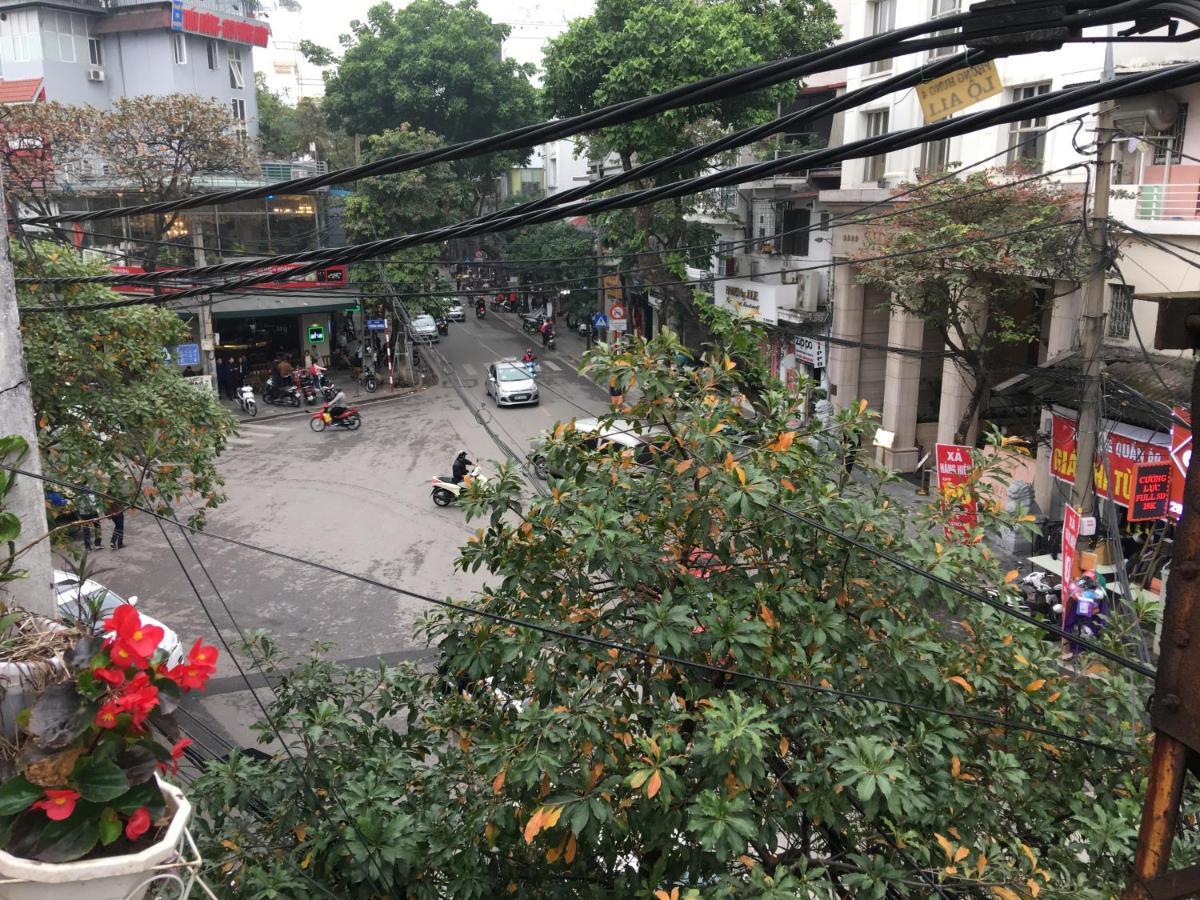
x=563 y=170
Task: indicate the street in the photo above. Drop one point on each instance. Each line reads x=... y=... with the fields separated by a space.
x=357 y=501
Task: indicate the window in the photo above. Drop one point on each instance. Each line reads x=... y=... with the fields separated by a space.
x=239 y=109
x=236 y=81
x=1120 y=310
x=96 y=51
x=935 y=156
x=881 y=19
x=213 y=54
x=20 y=36
x=1027 y=137
x=1169 y=142
x=940 y=9
x=179 y=41
x=794 y=237
x=876 y=124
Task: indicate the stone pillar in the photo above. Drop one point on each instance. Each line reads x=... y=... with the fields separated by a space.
x=847 y=324
x=957 y=385
x=900 y=392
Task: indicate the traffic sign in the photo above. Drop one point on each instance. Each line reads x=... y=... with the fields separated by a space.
x=187 y=354
x=599 y=320
x=616 y=312
x=376 y=324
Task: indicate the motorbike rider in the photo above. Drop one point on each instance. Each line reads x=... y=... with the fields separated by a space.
x=462 y=466
x=479 y=304
x=337 y=406
x=529 y=359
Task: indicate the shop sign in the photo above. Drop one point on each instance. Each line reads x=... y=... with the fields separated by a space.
x=1181 y=457
x=1151 y=491
x=1122 y=451
x=810 y=350
x=954 y=467
x=204 y=382
x=187 y=354
x=943 y=97
x=209 y=24
x=752 y=299
x=316 y=334
x=1070 y=537
x=330 y=276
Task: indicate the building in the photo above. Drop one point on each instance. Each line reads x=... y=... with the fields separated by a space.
x=94 y=51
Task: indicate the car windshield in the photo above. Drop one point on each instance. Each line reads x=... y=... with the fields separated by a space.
x=423 y=322
x=76 y=605
x=512 y=373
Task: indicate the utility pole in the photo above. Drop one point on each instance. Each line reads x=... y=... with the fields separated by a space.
x=207 y=339
x=26 y=498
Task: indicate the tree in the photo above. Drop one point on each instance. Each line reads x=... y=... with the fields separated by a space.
x=437 y=66
x=47 y=150
x=628 y=49
x=158 y=146
x=983 y=298
x=560 y=254
x=534 y=765
x=112 y=412
x=285 y=130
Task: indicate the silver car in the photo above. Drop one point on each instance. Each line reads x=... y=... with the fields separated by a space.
x=456 y=313
x=511 y=384
x=89 y=600
x=423 y=330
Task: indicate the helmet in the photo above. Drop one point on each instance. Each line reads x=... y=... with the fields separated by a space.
x=462 y=454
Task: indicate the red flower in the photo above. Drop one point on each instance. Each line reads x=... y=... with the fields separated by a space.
x=176 y=755
x=190 y=677
x=112 y=676
x=142 y=639
x=58 y=804
x=202 y=656
x=139 y=698
x=138 y=824
x=123 y=655
x=107 y=716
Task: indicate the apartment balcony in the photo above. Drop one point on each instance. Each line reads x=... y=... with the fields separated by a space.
x=1167 y=201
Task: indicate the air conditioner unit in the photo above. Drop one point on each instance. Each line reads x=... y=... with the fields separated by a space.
x=809 y=293
x=95 y=74
x=786 y=277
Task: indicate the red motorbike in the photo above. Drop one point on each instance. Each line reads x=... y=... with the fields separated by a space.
x=348 y=418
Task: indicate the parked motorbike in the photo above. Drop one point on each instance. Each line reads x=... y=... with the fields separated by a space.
x=349 y=419
x=367 y=379
x=285 y=395
x=329 y=390
x=445 y=491
x=245 y=399
x=308 y=390
x=532 y=324
x=1041 y=592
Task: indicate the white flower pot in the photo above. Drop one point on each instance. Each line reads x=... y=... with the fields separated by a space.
x=110 y=878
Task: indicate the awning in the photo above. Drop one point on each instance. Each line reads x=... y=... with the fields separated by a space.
x=278 y=303
x=21 y=90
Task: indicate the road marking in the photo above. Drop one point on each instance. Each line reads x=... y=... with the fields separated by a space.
x=239 y=442
x=470 y=370
x=551 y=365
x=272 y=428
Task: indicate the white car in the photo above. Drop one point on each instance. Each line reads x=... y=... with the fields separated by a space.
x=619 y=436
x=456 y=313
x=423 y=330
x=76 y=600
x=511 y=383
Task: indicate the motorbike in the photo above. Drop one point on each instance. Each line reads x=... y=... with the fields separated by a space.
x=367 y=379
x=1041 y=592
x=443 y=325
x=245 y=399
x=480 y=311
x=285 y=395
x=329 y=390
x=550 y=341
x=445 y=491
x=531 y=324
x=308 y=390
x=349 y=419
x=1090 y=602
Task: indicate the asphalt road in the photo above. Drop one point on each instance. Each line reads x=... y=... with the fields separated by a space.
x=356 y=501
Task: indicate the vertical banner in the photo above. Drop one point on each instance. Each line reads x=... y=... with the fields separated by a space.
x=1070 y=537
x=954 y=468
x=1181 y=457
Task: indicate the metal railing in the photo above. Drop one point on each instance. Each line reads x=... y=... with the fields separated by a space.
x=1161 y=202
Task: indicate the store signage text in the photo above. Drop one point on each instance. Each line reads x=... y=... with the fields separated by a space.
x=331 y=276
x=194 y=21
x=1151 y=491
x=943 y=97
x=810 y=350
x=1122 y=452
x=1070 y=538
x=954 y=468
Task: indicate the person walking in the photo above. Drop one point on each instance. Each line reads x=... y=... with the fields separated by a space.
x=89 y=518
x=117 y=514
x=223 y=379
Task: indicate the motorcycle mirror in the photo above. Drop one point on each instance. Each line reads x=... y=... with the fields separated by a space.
x=132 y=601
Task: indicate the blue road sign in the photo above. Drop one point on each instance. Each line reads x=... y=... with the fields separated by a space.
x=376 y=324
x=187 y=354
x=600 y=320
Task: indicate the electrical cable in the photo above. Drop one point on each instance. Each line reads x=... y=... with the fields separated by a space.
x=641 y=653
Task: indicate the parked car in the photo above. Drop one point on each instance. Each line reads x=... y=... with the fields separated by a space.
x=456 y=313
x=619 y=435
x=510 y=383
x=91 y=601
x=424 y=330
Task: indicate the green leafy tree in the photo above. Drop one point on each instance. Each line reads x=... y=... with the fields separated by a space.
x=284 y=129
x=628 y=49
x=437 y=66
x=560 y=254
x=532 y=765
x=112 y=413
x=984 y=298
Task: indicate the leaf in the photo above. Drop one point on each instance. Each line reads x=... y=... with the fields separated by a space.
x=1005 y=894
x=945 y=845
x=683 y=466
x=16 y=795
x=1032 y=858
x=1034 y=887
x=1035 y=685
x=534 y=825
x=498 y=781
x=552 y=817
x=654 y=784
x=10 y=527
x=554 y=853
x=961 y=853
x=783 y=443
x=637 y=779
x=569 y=855
x=59 y=716
x=1010 y=576
x=768 y=617
x=71 y=838
x=783 y=746
x=489 y=832
x=110 y=826
x=862 y=406
x=100 y=780
x=963 y=683
x=981 y=864
x=955 y=766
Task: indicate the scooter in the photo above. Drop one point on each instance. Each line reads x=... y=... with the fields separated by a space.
x=445 y=491
x=329 y=390
x=532 y=324
x=550 y=341
x=245 y=399
x=1041 y=592
x=480 y=311
x=287 y=395
x=348 y=419
x=308 y=390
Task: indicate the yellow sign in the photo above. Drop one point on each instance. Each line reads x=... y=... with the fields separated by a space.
x=943 y=97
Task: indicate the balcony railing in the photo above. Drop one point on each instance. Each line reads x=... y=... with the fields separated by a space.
x=1168 y=202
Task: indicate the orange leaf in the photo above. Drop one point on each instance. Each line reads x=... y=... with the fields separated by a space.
x=555 y=852
x=1005 y=894
x=552 y=817
x=1034 y=887
x=783 y=443
x=654 y=784
x=767 y=616
x=498 y=782
x=787 y=484
x=961 y=853
x=783 y=746
x=534 y=825
x=569 y=856
x=747 y=861
x=862 y=406
x=955 y=766
x=683 y=466
x=1035 y=685
x=981 y=864
x=945 y=844
x=489 y=832
x=1030 y=854
x=702 y=471
x=1010 y=576
x=963 y=683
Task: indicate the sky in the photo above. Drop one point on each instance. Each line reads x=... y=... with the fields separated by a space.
x=321 y=21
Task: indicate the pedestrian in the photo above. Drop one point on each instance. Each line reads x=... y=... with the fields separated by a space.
x=545 y=330
x=237 y=374
x=223 y=378
x=89 y=518
x=117 y=515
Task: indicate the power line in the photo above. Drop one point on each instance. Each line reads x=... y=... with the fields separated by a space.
x=550 y=631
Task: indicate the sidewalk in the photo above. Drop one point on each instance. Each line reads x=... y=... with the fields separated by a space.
x=355 y=393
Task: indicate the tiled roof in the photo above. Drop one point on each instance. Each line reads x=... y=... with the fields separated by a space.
x=23 y=90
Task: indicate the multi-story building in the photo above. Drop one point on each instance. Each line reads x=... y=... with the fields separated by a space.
x=93 y=51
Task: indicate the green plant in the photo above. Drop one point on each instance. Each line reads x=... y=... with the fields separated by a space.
x=13 y=449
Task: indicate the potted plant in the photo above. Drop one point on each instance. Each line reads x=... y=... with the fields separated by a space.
x=83 y=812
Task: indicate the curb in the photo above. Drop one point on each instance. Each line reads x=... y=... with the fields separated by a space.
x=308 y=410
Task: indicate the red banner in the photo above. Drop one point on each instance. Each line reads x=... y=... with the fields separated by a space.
x=954 y=467
x=331 y=276
x=1181 y=457
x=237 y=30
x=1123 y=454
x=1070 y=537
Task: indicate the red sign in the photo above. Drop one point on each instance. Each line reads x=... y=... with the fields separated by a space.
x=1123 y=454
x=1151 y=491
x=1070 y=537
x=237 y=30
x=330 y=276
x=1181 y=457
x=954 y=467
